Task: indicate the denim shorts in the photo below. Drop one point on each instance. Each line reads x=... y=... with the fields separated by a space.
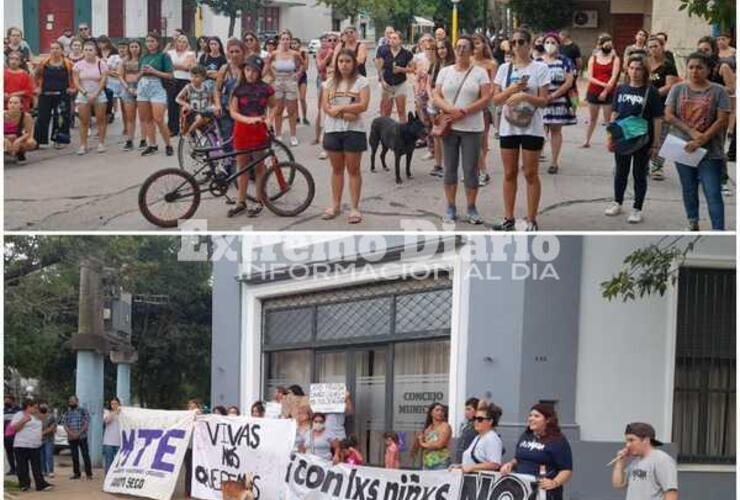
x=128 y=96
x=82 y=99
x=151 y=90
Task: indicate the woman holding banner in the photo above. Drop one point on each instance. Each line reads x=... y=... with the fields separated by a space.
x=435 y=439
x=543 y=452
x=193 y=405
x=485 y=452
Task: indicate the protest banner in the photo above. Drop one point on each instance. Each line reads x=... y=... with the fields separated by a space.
x=310 y=477
x=327 y=398
x=230 y=448
x=153 y=446
x=496 y=486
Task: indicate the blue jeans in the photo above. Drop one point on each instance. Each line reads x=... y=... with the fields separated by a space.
x=47 y=457
x=109 y=454
x=709 y=174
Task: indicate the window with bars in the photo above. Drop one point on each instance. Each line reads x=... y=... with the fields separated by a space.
x=704 y=417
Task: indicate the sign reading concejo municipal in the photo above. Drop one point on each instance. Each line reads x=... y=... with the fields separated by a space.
x=412 y=395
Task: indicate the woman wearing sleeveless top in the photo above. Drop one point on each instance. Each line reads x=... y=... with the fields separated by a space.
x=603 y=72
x=486 y=449
x=435 y=439
x=182 y=60
x=55 y=83
x=131 y=75
x=350 y=42
x=286 y=67
x=17 y=130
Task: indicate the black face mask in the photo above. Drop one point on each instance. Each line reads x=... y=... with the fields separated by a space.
x=73 y=406
x=43 y=410
x=606 y=50
x=539 y=48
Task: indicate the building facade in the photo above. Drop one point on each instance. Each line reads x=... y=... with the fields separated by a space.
x=517 y=321
x=43 y=21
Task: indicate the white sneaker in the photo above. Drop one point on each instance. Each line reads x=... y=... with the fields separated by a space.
x=81 y=150
x=293 y=141
x=101 y=148
x=614 y=209
x=635 y=217
x=323 y=155
x=428 y=156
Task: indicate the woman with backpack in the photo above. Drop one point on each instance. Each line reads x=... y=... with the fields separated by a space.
x=89 y=78
x=522 y=88
x=637 y=104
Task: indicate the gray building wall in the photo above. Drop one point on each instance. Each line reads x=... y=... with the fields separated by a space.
x=226 y=331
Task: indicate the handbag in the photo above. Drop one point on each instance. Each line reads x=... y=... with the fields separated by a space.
x=520 y=115
x=630 y=134
x=442 y=122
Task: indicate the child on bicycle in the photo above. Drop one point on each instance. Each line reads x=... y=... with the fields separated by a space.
x=196 y=102
x=248 y=106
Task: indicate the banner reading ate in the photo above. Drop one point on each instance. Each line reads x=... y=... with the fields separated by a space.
x=153 y=445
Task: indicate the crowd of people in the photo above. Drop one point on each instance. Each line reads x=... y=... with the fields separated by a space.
x=523 y=87
x=542 y=450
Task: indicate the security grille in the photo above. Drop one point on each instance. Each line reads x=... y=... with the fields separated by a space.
x=704 y=390
x=388 y=310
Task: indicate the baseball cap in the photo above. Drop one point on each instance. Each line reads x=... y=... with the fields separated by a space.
x=255 y=62
x=643 y=430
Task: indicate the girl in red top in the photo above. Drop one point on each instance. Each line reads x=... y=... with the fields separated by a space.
x=248 y=105
x=17 y=82
x=603 y=72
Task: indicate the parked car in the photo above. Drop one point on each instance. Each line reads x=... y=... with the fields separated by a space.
x=314 y=46
x=60 y=440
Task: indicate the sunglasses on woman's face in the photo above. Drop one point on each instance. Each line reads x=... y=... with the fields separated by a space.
x=481 y=419
x=249 y=39
x=519 y=41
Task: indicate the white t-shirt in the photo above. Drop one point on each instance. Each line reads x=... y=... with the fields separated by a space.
x=112 y=435
x=486 y=448
x=449 y=80
x=30 y=435
x=539 y=76
x=343 y=95
x=180 y=74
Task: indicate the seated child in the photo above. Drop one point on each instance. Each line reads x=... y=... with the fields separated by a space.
x=196 y=101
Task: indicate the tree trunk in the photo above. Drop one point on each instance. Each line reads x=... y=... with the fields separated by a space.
x=232 y=23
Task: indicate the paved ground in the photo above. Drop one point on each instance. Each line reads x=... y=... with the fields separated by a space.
x=66 y=489
x=57 y=190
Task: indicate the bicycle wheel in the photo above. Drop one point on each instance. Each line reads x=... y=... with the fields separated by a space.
x=284 y=198
x=282 y=152
x=185 y=146
x=167 y=196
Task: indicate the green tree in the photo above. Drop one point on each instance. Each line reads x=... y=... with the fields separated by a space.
x=720 y=12
x=542 y=15
x=233 y=9
x=650 y=269
x=173 y=339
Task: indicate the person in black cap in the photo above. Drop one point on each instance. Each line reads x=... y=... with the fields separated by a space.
x=651 y=475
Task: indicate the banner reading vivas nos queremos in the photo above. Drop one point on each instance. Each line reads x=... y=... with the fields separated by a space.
x=229 y=448
x=153 y=446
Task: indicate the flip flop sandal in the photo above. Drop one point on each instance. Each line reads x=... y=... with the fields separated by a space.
x=553 y=169
x=354 y=218
x=255 y=210
x=330 y=214
x=240 y=207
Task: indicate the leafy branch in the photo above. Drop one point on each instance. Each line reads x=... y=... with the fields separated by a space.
x=650 y=269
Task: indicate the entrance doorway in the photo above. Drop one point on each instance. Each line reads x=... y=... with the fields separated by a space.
x=54 y=17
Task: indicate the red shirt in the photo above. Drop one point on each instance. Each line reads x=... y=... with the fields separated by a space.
x=16 y=81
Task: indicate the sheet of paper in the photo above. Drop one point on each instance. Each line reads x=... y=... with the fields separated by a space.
x=673 y=150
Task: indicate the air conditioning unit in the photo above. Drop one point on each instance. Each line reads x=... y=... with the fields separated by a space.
x=586 y=19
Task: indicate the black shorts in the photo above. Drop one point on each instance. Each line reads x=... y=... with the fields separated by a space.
x=303 y=80
x=594 y=99
x=351 y=142
x=526 y=142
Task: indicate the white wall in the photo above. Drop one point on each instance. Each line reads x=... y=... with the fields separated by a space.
x=306 y=22
x=218 y=25
x=13 y=14
x=100 y=17
x=624 y=356
x=136 y=18
x=172 y=11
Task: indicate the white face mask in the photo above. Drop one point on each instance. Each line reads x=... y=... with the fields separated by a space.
x=551 y=48
x=318 y=427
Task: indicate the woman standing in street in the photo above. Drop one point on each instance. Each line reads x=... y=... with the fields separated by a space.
x=698 y=110
x=54 y=79
x=435 y=439
x=663 y=75
x=131 y=74
x=485 y=451
x=89 y=78
x=112 y=434
x=182 y=60
x=521 y=88
x=346 y=95
x=462 y=91
x=27 y=425
x=559 y=111
x=603 y=72
x=444 y=57
x=151 y=97
x=285 y=65
x=482 y=57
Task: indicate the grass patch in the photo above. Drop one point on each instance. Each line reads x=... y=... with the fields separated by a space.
x=12 y=486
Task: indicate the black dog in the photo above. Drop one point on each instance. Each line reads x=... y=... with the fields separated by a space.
x=399 y=137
